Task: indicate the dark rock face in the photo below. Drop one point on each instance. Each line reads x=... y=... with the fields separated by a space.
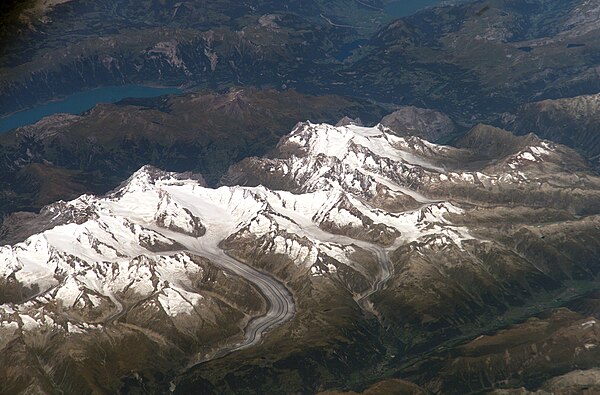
x=574 y=122
x=475 y=61
x=412 y=121
x=539 y=348
x=489 y=142
x=63 y=156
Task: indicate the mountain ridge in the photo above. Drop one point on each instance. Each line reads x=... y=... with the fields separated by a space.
x=338 y=230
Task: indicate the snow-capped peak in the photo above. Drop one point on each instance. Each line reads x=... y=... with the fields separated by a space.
x=354 y=188
x=343 y=142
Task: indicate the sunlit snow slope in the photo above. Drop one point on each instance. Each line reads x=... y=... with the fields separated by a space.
x=340 y=205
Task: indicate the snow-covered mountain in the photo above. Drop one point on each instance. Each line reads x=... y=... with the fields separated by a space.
x=141 y=239
x=359 y=214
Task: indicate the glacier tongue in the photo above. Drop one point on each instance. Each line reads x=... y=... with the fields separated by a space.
x=140 y=238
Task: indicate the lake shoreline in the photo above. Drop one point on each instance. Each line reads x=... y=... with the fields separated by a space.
x=81 y=101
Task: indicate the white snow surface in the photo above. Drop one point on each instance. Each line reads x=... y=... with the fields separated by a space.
x=118 y=248
x=360 y=160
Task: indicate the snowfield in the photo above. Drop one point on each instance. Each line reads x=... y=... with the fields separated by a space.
x=140 y=238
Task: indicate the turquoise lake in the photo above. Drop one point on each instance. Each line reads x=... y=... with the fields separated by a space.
x=80 y=102
x=408 y=7
x=85 y=100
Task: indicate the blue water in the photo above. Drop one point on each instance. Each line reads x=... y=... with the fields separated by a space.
x=80 y=102
x=402 y=8
x=346 y=49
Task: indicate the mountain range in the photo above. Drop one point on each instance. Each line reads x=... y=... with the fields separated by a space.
x=63 y=156
x=339 y=201
x=342 y=241
x=447 y=57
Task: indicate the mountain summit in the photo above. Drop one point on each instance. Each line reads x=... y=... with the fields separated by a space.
x=338 y=225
